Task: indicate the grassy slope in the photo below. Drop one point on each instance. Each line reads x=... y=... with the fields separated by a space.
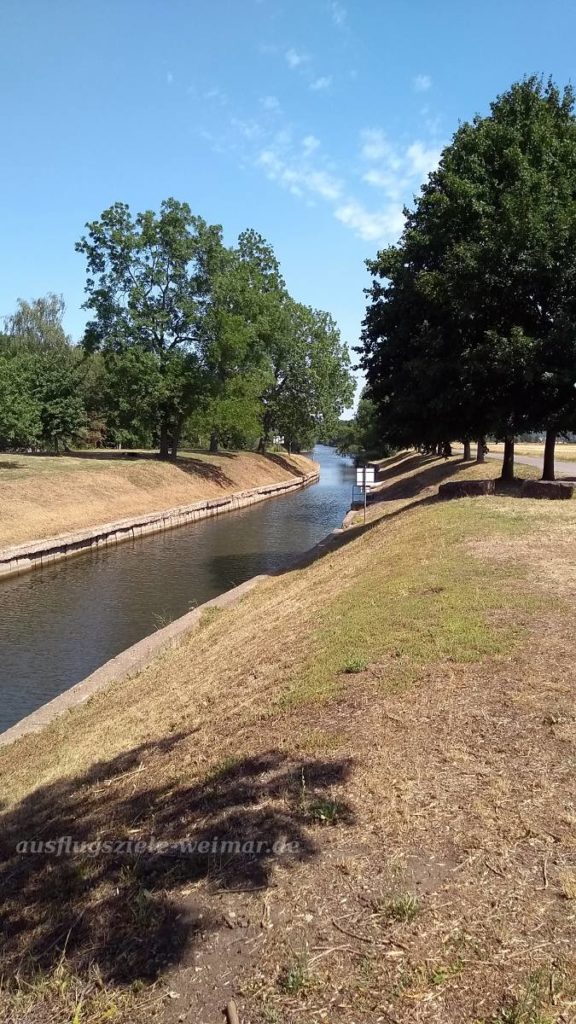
x=41 y=495
x=402 y=709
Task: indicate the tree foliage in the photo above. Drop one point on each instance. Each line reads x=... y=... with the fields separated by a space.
x=204 y=339
x=470 y=328
x=187 y=338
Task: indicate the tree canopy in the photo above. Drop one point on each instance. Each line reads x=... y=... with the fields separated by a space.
x=204 y=337
x=470 y=326
x=188 y=340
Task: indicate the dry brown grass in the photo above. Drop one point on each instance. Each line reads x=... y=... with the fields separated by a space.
x=41 y=496
x=430 y=791
x=564 y=452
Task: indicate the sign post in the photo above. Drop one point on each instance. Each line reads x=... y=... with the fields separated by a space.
x=364 y=479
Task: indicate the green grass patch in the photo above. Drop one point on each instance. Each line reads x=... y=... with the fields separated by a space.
x=531 y=1006
x=419 y=598
x=295 y=977
x=209 y=615
x=354 y=666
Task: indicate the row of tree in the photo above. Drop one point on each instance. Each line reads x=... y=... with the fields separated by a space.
x=470 y=329
x=188 y=341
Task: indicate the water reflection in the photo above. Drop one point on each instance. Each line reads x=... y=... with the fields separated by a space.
x=60 y=623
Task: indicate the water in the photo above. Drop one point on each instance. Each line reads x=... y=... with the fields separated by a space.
x=59 y=624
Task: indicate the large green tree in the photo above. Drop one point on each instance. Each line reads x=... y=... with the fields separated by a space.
x=309 y=383
x=237 y=335
x=149 y=287
x=470 y=328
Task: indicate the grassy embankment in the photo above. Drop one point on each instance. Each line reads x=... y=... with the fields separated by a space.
x=401 y=709
x=41 y=496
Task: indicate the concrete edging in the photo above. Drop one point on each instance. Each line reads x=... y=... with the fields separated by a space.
x=125 y=665
x=36 y=554
x=137 y=657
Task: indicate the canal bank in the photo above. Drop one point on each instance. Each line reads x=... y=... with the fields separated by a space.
x=65 y=621
x=128 y=663
x=36 y=554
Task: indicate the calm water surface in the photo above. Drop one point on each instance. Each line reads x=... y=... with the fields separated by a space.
x=58 y=624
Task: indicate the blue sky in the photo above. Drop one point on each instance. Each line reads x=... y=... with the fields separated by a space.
x=312 y=121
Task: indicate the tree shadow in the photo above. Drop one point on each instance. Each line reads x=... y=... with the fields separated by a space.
x=12 y=465
x=204 y=470
x=283 y=461
x=433 y=471
x=120 y=908
x=382 y=465
x=435 y=474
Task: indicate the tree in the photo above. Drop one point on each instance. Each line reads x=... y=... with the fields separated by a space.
x=38 y=324
x=19 y=412
x=362 y=434
x=310 y=381
x=148 y=287
x=237 y=333
x=40 y=400
x=471 y=325
x=56 y=391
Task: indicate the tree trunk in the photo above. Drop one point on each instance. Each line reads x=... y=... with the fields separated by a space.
x=214 y=439
x=548 y=472
x=467 y=451
x=164 y=441
x=175 y=438
x=480 y=457
x=508 y=460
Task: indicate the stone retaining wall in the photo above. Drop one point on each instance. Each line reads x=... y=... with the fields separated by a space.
x=36 y=554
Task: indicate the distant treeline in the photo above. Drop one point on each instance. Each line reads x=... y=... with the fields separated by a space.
x=189 y=341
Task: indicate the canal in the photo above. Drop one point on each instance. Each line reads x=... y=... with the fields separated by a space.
x=59 y=624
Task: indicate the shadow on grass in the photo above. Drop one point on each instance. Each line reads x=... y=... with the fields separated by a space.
x=435 y=472
x=121 y=909
x=204 y=470
x=408 y=462
x=432 y=471
x=283 y=461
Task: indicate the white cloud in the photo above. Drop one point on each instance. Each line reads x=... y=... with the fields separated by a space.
x=375 y=145
x=339 y=14
x=388 y=182
x=169 y=78
x=295 y=59
x=295 y=172
x=371 y=225
x=216 y=95
x=396 y=170
x=421 y=83
x=270 y=103
x=322 y=83
x=296 y=161
x=249 y=129
x=422 y=159
x=300 y=167
x=300 y=170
